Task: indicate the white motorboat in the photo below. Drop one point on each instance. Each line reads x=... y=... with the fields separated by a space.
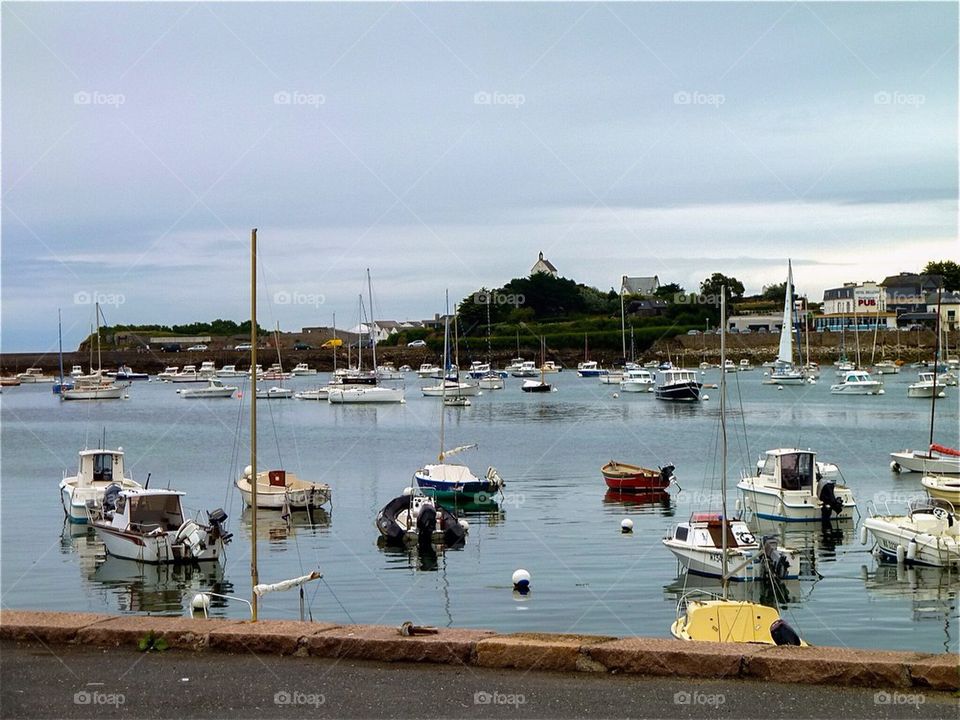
x=944 y=487
x=274 y=393
x=429 y=370
x=364 y=394
x=843 y=367
x=678 y=385
x=168 y=372
x=550 y=367
x=303 y=369
x=208 y=369
x=611 y=377
x=282 y=490
x=76 y=371
x=149 y=526
x=514 y=365
x=189 y=374
x=275 y=372
x=229 y=371
x=452 y=387
x=318 y=393
x=744 y=366
x=97 y=470
x=527 y=368
x=887 y=367
x=406 y=369
x=590 y=368
x=94 y=387
x=938 y=460
x=926 y=387
x=857 y=382
x=491 y=381
x=478 y=369
x=125 y=372
x=214 y=389
x=34 y=375
x=387 y=371
x=729 y=366
x=641 y=380
x=929 y=534
x=790 y=487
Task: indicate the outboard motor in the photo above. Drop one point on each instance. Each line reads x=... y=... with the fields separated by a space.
x=783 y=634
x=777 y=561
x=217 y=518
x=110 y=496
x=666 y=474
x=828 y=496
x=426 y=524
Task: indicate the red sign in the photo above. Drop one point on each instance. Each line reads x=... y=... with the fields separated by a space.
x=868 y=302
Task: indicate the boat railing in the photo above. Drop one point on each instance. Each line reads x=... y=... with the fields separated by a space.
x=927 y=504
x=697 y=594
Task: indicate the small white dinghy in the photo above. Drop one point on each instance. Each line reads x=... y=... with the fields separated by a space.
x=282 y=490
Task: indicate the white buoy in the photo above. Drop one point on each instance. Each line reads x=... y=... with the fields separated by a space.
x=779 y=387
x=521 y=581
x=200 y=602
x=901 y=554
x=863 y=534
x=882 y=392
x=465 y=525
x=616 y=395
x=705 y=397
x=626 y=525
x=912 y=550
x=407 y=491
x=247 y=471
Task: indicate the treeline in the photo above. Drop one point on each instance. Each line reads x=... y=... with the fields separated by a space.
x=217 y=328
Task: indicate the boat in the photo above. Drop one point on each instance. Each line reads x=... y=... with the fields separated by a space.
x=303 y=369
x=9 y=381
x=275 y=372
x=208 y=369
x=541 y=385
x=96 y=471
x=729 y=366
x=189 y=374
x=939 y=460
x=406 y=369
x=61 y=384
x=275 y=393
x=943 y=487
x=611 y=377
x=925 y=387
x=95 y=386
x=678 y=385
x=282 y=490
x=624 y=477
x=641 y=380
x=34 y=375
x=929 y=534
x=364 y=394
x=478 y=369
x=149 y=526
x=551 y=367
x=168 y=372
x=857 y=382
x=452 y=387
x=526 y=369
x=388 y=371
x=76 y=371
x=229 y=371
x=709 y=617
x=590 y=368
x=515 y=363
x=429 y=370
x=456 y=401
x=125 y=372
x=415 y=518
x=783 y=371
x=491 y=381
x=214 y=389
x=887 y=367
x=744 y=366
x=318 y=393
x=790 y=487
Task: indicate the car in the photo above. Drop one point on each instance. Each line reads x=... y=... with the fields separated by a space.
x=201 y=346
x=417 y=343
x=171 y=347
x=243 y=346
x=746 y=331
x=301 y=346
x=762 y=330
x=693 y=332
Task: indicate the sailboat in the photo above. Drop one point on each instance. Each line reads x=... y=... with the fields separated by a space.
x=443 y=479
x=491 y=379
x=368 y=392
x=62 y=384
x=541 y=385
x=937 y=459
x=719 y=619
x=95 y=386
x=784 y=372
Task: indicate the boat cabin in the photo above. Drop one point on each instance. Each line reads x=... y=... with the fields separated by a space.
x=100 y=466
x=671 y=376
x=705 y=529
x=791 y=469
x=144 y=511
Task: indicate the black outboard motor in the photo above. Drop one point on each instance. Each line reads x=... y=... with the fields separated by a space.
x=828 y=497
x=777 y=561
x=426 y=525
x=217 y=518
x=110 y=496
x=666 y=474
x=783 y=634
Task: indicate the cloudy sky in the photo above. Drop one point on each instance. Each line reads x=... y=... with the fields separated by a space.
x=443 y=146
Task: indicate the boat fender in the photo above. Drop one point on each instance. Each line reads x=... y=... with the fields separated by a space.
x=863 y=534
x=912 y=550
x=783 y=634
x=901 y=554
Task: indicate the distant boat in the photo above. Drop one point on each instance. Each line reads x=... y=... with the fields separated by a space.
x=541 y=385
x=783 y=371
x=857 y=382
x=887 y=367
x=214 y=389
x=926 y=386
x=590 y=368
x=282 y=490
x=126 y=373
x=303 y=369
x=678 y=385
x=624 y=477
x=97 y=470
x=35 y=375
x=641 y=380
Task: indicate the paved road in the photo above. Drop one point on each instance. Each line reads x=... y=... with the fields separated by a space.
x=77 y=682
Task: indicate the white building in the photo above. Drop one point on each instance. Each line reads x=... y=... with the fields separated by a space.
x=867 y=297
x=542 y=265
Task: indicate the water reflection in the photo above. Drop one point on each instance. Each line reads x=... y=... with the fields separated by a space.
x=652 y=503
x=158 y=589
x=776 y=593
x=276 y=528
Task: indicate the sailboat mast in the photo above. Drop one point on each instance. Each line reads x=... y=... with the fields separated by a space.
x=254 y=572
x=373 y=334
x=334 y=344
x=724 y=579
x=936 y=356
x=446 y=368
x=97 y=312
x=856 y=330
x=489 y=352
x=60 y=342
x=623 y=321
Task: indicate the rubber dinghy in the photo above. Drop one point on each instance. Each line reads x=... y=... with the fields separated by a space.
x=417 y=518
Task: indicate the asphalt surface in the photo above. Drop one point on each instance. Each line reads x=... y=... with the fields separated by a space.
x=83 y=682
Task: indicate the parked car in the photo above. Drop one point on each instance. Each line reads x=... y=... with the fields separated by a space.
x=171 y=347
x=417 y=343
x=693 y=332
x=201 y=346
x=301 y=346
x=243 y=346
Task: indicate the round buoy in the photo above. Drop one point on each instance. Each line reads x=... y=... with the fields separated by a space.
x=901 y=554
x=779 y=387
x=616 y=395
x=882 y=392
x=465 y=525
x=863 y=534
x=247 y=471
x=521 y=581
x=626 y=525
x=912 y=550
x=705 y=397
x=407 y=491
x=200 y=602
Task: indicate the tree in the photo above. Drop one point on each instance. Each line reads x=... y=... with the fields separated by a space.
x=711 y=286
x=670 y=292
x=948 y=270
x=774 y=292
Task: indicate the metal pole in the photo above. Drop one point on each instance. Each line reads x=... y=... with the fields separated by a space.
x=254 y=573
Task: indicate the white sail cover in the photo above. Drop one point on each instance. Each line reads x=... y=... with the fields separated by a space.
x=785 y=354
x=457 y=450
x=264 y=588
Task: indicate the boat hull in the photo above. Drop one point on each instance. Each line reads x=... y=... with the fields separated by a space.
x=153 y=549
x=708 y=562
x=107 y=393
x=789 y=506
x=462 y=389
x=679 y=392
x=363 y=395
x=630 y=478
x=932 y=550
x=944 y=488
x=921 y=462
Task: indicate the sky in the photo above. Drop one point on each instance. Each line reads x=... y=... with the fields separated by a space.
x=443 y=146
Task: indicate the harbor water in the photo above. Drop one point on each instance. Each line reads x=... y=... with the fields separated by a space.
x=555 y=519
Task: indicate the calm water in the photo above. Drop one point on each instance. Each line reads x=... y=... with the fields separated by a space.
x=556 y=519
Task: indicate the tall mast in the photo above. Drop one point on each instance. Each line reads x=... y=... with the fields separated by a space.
x=254 y=573
x=856 y=327
x=334 y=343
x=446 y=368
x=936 y=355
x=489 y=353
x=724 y=579
x=60 y=341
x=373 y=335
x=97 y=312
x=623 y=321
x=360 y=335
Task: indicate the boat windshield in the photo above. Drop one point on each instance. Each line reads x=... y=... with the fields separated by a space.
x=796 y=471
x=148 y=512
x=103 y=467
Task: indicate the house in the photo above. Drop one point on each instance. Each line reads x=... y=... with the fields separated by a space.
x=647 y=308
x=542 y=265
x=639 y=285
x=949 y=309
x=908 y=292
x=855 y=306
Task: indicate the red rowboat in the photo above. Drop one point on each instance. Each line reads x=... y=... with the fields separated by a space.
x=631 y=478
